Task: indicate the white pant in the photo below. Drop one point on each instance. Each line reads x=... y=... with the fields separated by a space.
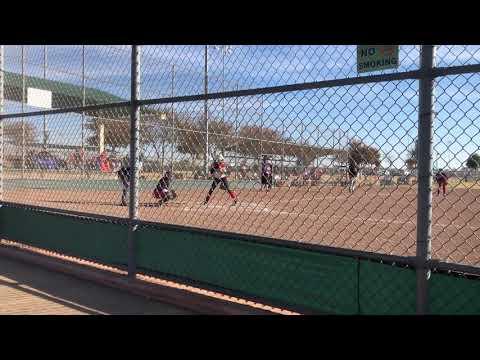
x=353 y=183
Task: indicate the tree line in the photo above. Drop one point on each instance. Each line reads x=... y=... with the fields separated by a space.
x=187 y=133
x=472 y=163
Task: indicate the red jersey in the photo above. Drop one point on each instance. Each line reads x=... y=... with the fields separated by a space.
x=218 y=169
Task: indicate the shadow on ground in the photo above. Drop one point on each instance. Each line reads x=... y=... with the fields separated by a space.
x=75 y=294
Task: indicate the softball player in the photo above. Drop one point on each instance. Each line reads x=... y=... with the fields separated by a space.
x=218 y=171
x=353 y=170
x=124 y=175
x=162 y=191
x=266 y=174
x=442 y=180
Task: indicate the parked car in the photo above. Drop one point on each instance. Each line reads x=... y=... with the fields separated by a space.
x=47 y=161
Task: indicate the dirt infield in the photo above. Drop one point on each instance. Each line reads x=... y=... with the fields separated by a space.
x=371 y=219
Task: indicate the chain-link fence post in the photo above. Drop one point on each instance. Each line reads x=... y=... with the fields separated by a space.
x=172 y=110
x=45 y=140
x=163 y=117
x=259 y=162
x=1 y=120
x=43 y=171
x=236 y=137
x=23 y=110
x=83 y=155
x=134 y=145
x=282 y=156
x=424 y=208
x=205 y=110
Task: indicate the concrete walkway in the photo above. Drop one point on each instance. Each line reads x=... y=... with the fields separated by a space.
x=31 y=290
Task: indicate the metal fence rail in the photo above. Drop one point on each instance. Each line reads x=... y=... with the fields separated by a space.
x=302 y=111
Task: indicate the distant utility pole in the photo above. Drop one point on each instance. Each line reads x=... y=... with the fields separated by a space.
x=83 y=112
x=45 y=140
x=173 y=138
x=205 y=109
x=163 y=118
x=226 y=49
x=23 y=110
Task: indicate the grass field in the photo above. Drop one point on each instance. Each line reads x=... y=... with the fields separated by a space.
x=374 y=218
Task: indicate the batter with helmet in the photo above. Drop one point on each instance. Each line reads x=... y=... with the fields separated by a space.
x=218 y=171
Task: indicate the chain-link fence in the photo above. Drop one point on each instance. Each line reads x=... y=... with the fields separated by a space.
x=282 y=142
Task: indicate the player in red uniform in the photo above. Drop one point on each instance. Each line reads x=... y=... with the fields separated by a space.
x=218 y=171
x=442 y=180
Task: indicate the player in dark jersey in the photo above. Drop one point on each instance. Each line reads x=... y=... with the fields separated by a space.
x=218 y=171
x=124 y=176
x=442 y=180
x=267 y=176
x=352 y=170
x=163 y=191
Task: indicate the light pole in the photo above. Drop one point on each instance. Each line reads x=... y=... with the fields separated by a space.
x=44 y=116
x=236 y=134
x=163 y=117
x=23 y=110
x=83 y=112
x=173 y=139
x=205 y=109
x=226 y=49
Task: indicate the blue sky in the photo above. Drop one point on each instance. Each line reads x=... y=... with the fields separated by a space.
x=382 y=114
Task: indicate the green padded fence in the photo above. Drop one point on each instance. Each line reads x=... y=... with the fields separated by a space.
x=281 y=275
x=450 y=294
x=323 y=283
x=96 y=240
x=386 y=289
